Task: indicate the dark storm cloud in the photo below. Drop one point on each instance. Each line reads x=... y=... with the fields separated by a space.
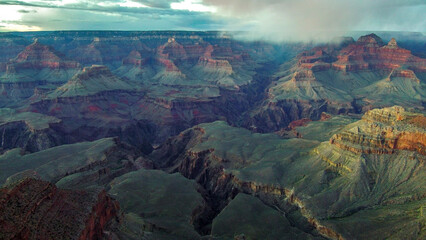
x=88 y=6
x=310 y=19
x=107 y=15
x=271 y=19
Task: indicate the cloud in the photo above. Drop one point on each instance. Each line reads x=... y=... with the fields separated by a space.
x=27 y=11
x=277 y=20
x=99 y=15
x=156 y=3
x=192 y=6
x=295 y=20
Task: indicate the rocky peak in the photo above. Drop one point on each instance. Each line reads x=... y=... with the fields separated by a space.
x=392 y=43
x=172 y=49
x=39 y=56
x=91 y=80
x=371 y=40
x=37 y=52
x=208 y=52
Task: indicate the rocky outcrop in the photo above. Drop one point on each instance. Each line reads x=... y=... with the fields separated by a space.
x=371 y=40
x=101 y=49
x=172 y=49
x=352 y=77
x=20 y=135
x=35 y=209
x=215 y=65
x=403 y=73
x=370 y=53
x=92 y=80
x=36 y=66
x=383 y=131
x=366 y=54
x=28 y=130
x=105 y=211
x=39 y=56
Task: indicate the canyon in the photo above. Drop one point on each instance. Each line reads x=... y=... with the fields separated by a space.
x=199 y=135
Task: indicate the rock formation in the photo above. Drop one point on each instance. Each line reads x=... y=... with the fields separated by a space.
x=35 y=209
x=384 y=131
x=352 y=77
x=324 y=181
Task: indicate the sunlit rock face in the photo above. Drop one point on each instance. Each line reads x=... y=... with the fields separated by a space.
x=383 y=131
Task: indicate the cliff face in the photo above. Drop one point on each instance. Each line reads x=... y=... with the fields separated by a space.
x=383 y=131
x=369 y=52
x=105 y=211
x=34 y=209
x=92 y=80
x=350 y=77
x=28 y=130
x=40 y=56
x=40 y=60
x=198 y=154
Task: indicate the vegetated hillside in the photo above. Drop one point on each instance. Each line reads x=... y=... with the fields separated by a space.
x=371 y=166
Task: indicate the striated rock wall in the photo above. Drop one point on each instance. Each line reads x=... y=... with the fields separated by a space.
x=279 y=114
x=105 y=210
x=368 y=53
x=35 y=209
x=383 y=131
x=215 y=65
x=38 y=56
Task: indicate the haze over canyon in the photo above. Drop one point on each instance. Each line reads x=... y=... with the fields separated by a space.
x=212 y=120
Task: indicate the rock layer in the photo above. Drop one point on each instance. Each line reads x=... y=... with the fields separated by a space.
x=384 y=131
x=34 y=209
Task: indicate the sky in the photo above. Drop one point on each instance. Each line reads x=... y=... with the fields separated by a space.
x=270 y=19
